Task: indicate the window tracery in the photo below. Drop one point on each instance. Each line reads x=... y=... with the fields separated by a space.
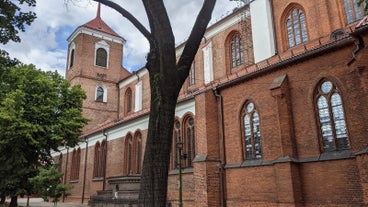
x=251 y=132
x=331 y=117
x=296 y=28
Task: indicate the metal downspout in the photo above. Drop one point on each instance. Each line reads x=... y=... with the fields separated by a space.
x=118 y=109
x=222 y=148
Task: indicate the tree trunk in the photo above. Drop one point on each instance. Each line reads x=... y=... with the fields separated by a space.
x=166 y=79
x=14 y=201
x=2 y=199
x=158 y=146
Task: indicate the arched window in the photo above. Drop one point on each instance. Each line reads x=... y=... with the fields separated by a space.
x=60 y=162
x=99 y=160
x=128 y=154
x=71 y=54
x=189 y=140
x=137 y=145
x=102 y=159
x=100 y=94
x=251 y=132
x=72 y=171
x=183 y=133
x=101 y=57
x=296 y=28
x=128 y=101
x=71 y=58
x=353 y=12
x=174 y=151
x=96 y=162
x=331 y=117
x=236 y=51
x=60 y=168
x=74 y=174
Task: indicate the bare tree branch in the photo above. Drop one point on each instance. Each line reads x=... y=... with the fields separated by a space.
x=195 y=37
x=158 y=19
x=128 y=16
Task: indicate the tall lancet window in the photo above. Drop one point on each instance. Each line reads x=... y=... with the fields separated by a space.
x=174 y=150
x=353 y=12
x=236 y=51
x=251 y=132
x=128 y=102
x=332 y=123
x=296 y=28
x=71 y=54
x=128 y=148
x=189 y=140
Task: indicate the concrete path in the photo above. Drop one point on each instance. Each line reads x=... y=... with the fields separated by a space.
x=38 y=202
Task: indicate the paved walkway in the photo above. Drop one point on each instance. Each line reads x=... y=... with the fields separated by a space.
x=38 y=202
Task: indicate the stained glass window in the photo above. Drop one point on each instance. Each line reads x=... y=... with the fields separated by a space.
x=251 y=132
x=296 y=28
x=331 y=118
x=236 y=50
x=353 y=12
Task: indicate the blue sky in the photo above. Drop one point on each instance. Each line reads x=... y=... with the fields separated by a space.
x=44 y=43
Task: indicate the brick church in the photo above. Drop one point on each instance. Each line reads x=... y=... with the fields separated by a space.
x=274 y=111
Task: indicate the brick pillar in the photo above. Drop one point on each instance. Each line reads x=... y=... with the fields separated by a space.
x=288 y=184
x=287 y=173
x=207 y=161
x=358 y=70
x=280 y=91
x=362 y=162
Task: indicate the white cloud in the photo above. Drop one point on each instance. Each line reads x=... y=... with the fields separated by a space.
x=44 y=42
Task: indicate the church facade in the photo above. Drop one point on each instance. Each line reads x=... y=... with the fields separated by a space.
x=273 y=113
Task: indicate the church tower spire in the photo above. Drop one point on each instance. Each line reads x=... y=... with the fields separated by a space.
x=98 y=10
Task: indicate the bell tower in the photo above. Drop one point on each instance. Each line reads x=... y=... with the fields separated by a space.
x=94 y=61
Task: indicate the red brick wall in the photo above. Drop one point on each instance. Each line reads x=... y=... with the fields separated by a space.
x=322 y=17
x=323 y=183
x=332 y=183
x=85 y=73
x=246 y=185
x=291 y=172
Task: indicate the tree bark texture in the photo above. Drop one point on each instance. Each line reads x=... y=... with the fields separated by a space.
x=13 y=201
x=166 y=79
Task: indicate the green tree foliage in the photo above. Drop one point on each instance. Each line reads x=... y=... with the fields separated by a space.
x=39 y=111
x=13 y=19
x=47 y=184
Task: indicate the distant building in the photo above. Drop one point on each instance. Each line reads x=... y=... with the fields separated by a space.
x=274 y=111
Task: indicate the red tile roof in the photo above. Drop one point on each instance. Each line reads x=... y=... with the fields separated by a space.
x=99 y=25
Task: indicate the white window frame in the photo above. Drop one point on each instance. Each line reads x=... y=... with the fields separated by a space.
x=71 y=48
x=102 y=44
x=104 y=99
